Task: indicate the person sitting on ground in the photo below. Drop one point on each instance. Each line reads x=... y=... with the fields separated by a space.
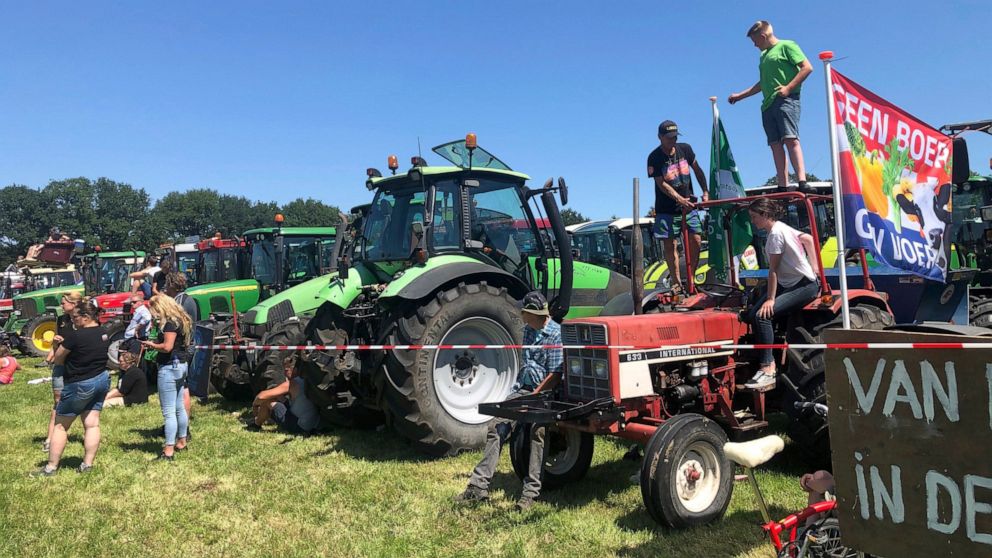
x=132 y=387
x=299 y=416
x=792 y=280
x=137 y=328
x=84 y=354
x=141 y=280
x=538 y=364
x=8 y=365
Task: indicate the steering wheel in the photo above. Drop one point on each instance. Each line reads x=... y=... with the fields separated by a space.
x=712 y=289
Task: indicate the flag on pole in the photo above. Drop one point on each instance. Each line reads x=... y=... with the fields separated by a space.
x=725 y=183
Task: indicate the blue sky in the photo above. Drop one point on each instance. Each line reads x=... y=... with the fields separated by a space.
x=276 y=100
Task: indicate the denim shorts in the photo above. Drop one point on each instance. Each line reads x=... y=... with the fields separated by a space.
x=667 y=224
x=58 y=382
x=285 y=419
x=781 y=119
x=85 y=395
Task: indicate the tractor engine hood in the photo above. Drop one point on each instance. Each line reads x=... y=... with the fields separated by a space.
x=113 y=302
x=656 y=330
x=51 y=291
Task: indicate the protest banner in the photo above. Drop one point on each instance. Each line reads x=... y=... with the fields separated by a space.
x=895 y=173
x=911 y=433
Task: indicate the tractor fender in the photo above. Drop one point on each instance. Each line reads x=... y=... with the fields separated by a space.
x=461 y=272
x=854 y=296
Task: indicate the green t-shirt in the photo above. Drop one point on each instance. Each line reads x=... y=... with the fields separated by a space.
x=778 y=66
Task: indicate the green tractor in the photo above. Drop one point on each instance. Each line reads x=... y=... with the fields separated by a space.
x=442 y=257
x=250 y=285
x=28 y=327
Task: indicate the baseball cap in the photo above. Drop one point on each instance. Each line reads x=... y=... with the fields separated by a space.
x=668 y=129
x=534 y=303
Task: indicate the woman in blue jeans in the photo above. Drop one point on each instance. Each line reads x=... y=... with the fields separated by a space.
x=176 y=331
x=83 y=351
x=792 y=280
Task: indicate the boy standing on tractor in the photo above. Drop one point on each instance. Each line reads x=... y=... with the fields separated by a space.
x=669 y=166
x=538 y=363
x=782 y=68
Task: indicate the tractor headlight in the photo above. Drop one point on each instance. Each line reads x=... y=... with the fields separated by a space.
x=987 y=213
x=600 y=369
x=575 y=366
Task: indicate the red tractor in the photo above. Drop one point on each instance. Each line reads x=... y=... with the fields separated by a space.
x=684 y=398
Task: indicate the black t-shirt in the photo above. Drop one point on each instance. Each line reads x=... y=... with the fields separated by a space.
x=134 y=386
x=159 y=280
x=63 y=325
x=180 y=349
x=676 y=170
x=87 y=358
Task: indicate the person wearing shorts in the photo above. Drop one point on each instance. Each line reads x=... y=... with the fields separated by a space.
x=782 y=68
x=84 y=354
x=669 y=165
x=286 y=404
x=63 y=325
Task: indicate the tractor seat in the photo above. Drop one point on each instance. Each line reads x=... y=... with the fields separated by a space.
x=754 y=453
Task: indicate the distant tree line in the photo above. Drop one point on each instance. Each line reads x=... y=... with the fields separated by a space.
x=116 y=215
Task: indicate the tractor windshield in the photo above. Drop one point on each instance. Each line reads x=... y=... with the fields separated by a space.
x=108 y=275
x=388 y=233
x=501 y=222
x=186 y=262
x=220 y=264
x=649 y=246
x=592 y=244
x=56 y=279
x=306 y=257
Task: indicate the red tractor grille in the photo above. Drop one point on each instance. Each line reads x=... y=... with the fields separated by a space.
x=587 y=371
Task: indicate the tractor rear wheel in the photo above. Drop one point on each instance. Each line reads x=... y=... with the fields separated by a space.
x=567 y=454
x=686 y=479
x=114 y=330
x=38 y=334
x=806 y=369
x=981 y=312
x=433 y=396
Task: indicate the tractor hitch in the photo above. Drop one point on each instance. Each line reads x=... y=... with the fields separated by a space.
x=541 y=408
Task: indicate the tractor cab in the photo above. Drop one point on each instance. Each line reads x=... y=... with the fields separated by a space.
x=183 y=257
x=109 y=272
x=282 y=257
x=222 y=259
x=608 y=244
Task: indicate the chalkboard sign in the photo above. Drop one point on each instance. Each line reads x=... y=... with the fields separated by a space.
x=911 y=435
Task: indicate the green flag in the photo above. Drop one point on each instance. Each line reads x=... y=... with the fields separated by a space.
x=725 y=182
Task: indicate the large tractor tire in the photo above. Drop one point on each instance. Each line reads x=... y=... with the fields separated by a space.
x=433 y=396
x=224 y=372
x=37 y=335
x=115 y=333
x=567 y=455
x=686 y=478
x=269 y=371
x=980 y=312
x=806 y=369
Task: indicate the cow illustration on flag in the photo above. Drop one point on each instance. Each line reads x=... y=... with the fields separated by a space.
x=895 y=171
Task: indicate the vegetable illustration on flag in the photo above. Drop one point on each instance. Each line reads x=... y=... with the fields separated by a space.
x=725 y=183
x=895 y=172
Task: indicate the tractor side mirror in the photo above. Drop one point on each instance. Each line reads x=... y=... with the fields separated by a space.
x=562 y=191
x=961 y=170
x=417 y=227
x=470 y=183
x=343 y=266
x=987 y=213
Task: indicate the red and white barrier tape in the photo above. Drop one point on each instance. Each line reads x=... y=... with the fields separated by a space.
x=724 y=347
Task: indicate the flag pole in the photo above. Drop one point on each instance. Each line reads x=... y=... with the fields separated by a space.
x=729 y=263
x=826 y=56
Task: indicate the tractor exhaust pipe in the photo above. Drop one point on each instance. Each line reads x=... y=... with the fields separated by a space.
x=561 y=303
x=637 y=253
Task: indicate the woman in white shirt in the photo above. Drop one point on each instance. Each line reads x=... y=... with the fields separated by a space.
x=792 y=280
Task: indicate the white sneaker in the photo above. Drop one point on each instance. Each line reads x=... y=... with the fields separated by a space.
x=760 y=380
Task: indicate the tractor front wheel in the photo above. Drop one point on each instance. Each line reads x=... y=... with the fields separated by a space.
x=686 y=479
x=567 y=454
x=38 y=334
x=226 y=377
x=433 y=395
x=269 y=372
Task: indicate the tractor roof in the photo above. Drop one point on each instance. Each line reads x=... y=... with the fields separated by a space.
x=294 y=231
x=47 y=270
x=600 y=226
x=121 y=254
x=441 y=171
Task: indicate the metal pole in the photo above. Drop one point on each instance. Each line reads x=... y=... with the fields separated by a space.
x=826 y=57
x=637 y=252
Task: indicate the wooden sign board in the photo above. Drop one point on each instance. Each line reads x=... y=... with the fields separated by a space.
x=911 y=436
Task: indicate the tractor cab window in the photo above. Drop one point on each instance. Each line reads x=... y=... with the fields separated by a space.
x=263 y=261
x=649 y=247
x=592 y=245
x=220 y=264
x=307 y=257
x=186 y=263
x=500 y=221
x=389 y=232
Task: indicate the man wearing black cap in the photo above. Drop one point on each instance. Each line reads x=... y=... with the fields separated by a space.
x=538 y=363
x=669 y=165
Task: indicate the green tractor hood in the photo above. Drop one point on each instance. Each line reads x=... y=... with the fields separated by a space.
x=216 y=297
x=301 y=299
x=55 y=292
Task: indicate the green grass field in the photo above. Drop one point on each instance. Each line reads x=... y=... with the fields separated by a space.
x=343 y=493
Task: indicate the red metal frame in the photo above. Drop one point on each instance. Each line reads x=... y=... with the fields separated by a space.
x=217 y=243
x=790 y=524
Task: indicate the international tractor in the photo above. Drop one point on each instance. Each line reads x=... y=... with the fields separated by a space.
x=252 y=284
x=667 y=380
x=442 y=257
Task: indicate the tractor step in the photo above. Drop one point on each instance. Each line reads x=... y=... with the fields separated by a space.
x=752 y=424
x=762 y=389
